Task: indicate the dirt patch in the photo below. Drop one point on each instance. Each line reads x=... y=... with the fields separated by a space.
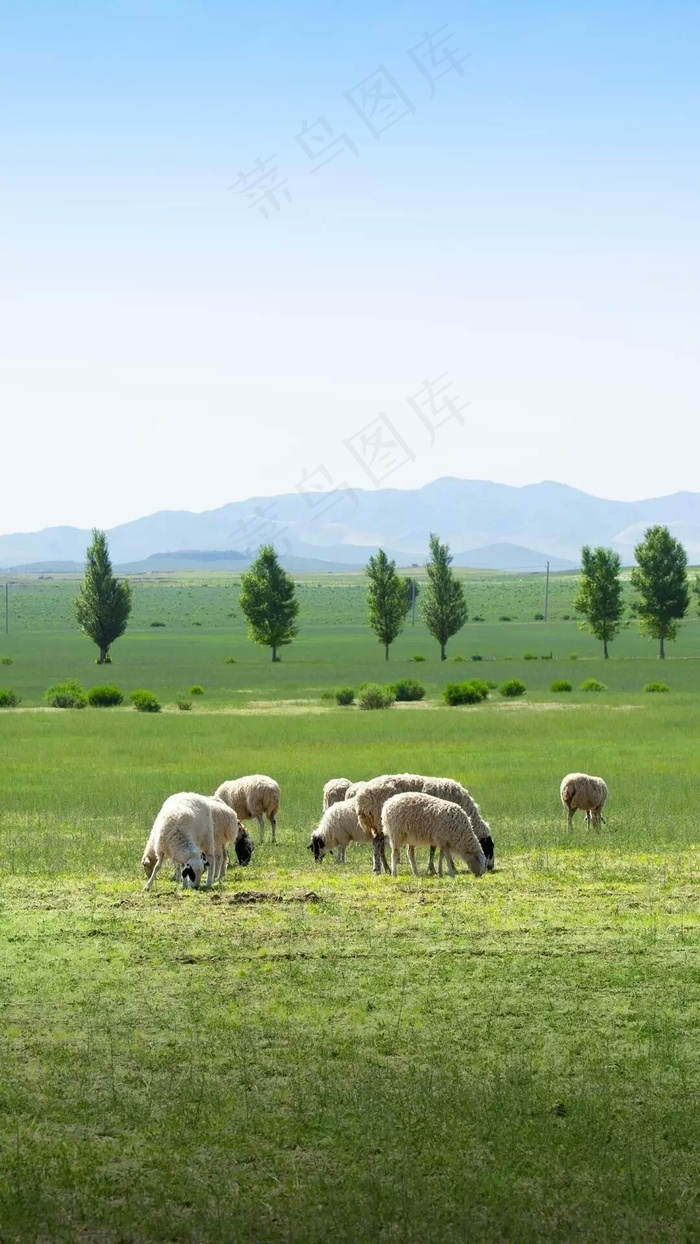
x=551 y=706
x=260 y=896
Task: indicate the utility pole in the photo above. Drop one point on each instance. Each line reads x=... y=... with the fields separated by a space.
x=546 y=593
x=413 y=602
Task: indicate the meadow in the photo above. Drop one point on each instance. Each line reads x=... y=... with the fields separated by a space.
x=311 y=1052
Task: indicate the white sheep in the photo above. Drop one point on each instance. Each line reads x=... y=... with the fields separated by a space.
x=227 y=829
x=338 y=827
x=582 y=793
x=334 y=791
x=454 y=792
x=371 y=799
x=353 y=789
x=253 y=796
x=413 y=820
x=183 y=832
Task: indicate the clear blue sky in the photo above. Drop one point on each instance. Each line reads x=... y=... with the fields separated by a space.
x=528 y=226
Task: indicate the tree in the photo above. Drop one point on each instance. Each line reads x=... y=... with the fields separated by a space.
x=444 y=607
x=103 y=604
x=388 y=599
x=696 y=590
x=268 y=600
x=599 y=596
x=661 y=580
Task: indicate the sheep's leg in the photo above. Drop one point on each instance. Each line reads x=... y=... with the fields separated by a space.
x=431 y=862
x=177 y=875
x=261 y=825
x=273 y=822
x=382 y=853
x=223 y=869
x=412 y=860
x=376 y=857
x=449 y=862
x=395 y=857
x=569 y=817
x=440 y=860
x=156 y=869
x=211 y=870
x=340 y=855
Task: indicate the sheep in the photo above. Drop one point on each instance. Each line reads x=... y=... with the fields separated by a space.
x=454 y=792
x=414 y=819
x=370 y=801
x=253 y=796
x=183 y=831
x=581 y=792
x=338 y=827
x=335 y=791
x=354 y=788
x=228 y=828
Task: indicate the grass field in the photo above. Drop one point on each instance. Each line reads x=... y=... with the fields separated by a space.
x=313 y=1053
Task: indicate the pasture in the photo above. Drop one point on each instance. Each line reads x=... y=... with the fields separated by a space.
x=311 y=1052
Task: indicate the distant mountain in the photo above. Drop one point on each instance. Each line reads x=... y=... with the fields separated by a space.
x=510 y=557
x=550 y=520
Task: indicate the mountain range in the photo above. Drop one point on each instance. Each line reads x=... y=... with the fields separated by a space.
x=488 y=525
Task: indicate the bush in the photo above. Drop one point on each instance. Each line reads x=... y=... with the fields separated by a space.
x=492 y=686
x=418 y=657
x=196 y=690
x=68 y=694
x=184 y=705
x=566 y=617
x=345 y=696
x=156 y=624
x=504 y=618
x=8 y=699
x=408 y=689
x=478 y=618
x=196 y=623
x=373 y=695
x=592 y=684
x=477 y=656
x=459 y=660
x=104 y=697
x=573 y=656
x=539 y=617
x=472 y=692
x=328 y=694
x=547 y=656
x=230 y=661
x=145 y=702
x=530 y=656
x=5 y=660
x=513 y=688
x=657 y=686
x=561 y=684
x=107 y=660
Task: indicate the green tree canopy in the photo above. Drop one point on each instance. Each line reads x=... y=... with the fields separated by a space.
x=599 y=596
x=444 y=606
x=103 y=604
x=388 y=599
x=661 y=579
x=268 y=601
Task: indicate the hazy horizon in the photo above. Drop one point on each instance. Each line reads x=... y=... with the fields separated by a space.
x=513 y=221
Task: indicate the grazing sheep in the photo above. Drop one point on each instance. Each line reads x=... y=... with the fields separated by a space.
x=338 y=826
x=413 y=820
x=353 y=789
x=183 y=831
x=334 y=791
x=228 y=828
x=370 y=801
x=582 y=793
x=253 y=796
x=454 y=792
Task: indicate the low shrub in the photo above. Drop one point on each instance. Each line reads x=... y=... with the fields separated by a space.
x=492 y=686
x=345 y=696
x=458 y=660
x=68 y=694
x=505 y=618
x=184 y=705
x=5 y=660
x=104 y=697
x=657 y=686
x=372 y=695
x=328 y=694
x=418 y=657
x=478 y=618
x=547 y=656
x=530 y=656
x=144 y=701
x=196 y=623
x=573 y=656
x=107 y=660
x=592 y=684
x=476 y=656
x=561 y=684
x=512 y=688
x=472 y=692
x=407 y=689
x=539 y=617
x=566 y=617
x=156 y=624
x=8 y=699
x=230 y=661
x=196 y=689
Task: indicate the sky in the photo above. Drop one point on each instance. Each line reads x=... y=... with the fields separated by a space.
x=247 y=249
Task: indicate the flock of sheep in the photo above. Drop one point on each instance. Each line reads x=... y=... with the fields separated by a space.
x=399 y=809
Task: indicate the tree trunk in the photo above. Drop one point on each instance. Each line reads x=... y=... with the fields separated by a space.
x=606 y=654
x=443 y=656
x=274 y=652
x=662 y=654
x=103 y=656
x=386 y=652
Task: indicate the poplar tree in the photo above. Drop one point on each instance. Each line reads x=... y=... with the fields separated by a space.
x=599 y=596
x=268 y=602
x=444 y=606
x=661 y=579
x=103 y=604
x=388 y=599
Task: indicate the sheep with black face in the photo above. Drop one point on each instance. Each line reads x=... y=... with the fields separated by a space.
x=183 y=832
x=337 y=828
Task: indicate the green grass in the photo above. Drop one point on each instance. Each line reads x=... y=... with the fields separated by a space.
x=348 y=1057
